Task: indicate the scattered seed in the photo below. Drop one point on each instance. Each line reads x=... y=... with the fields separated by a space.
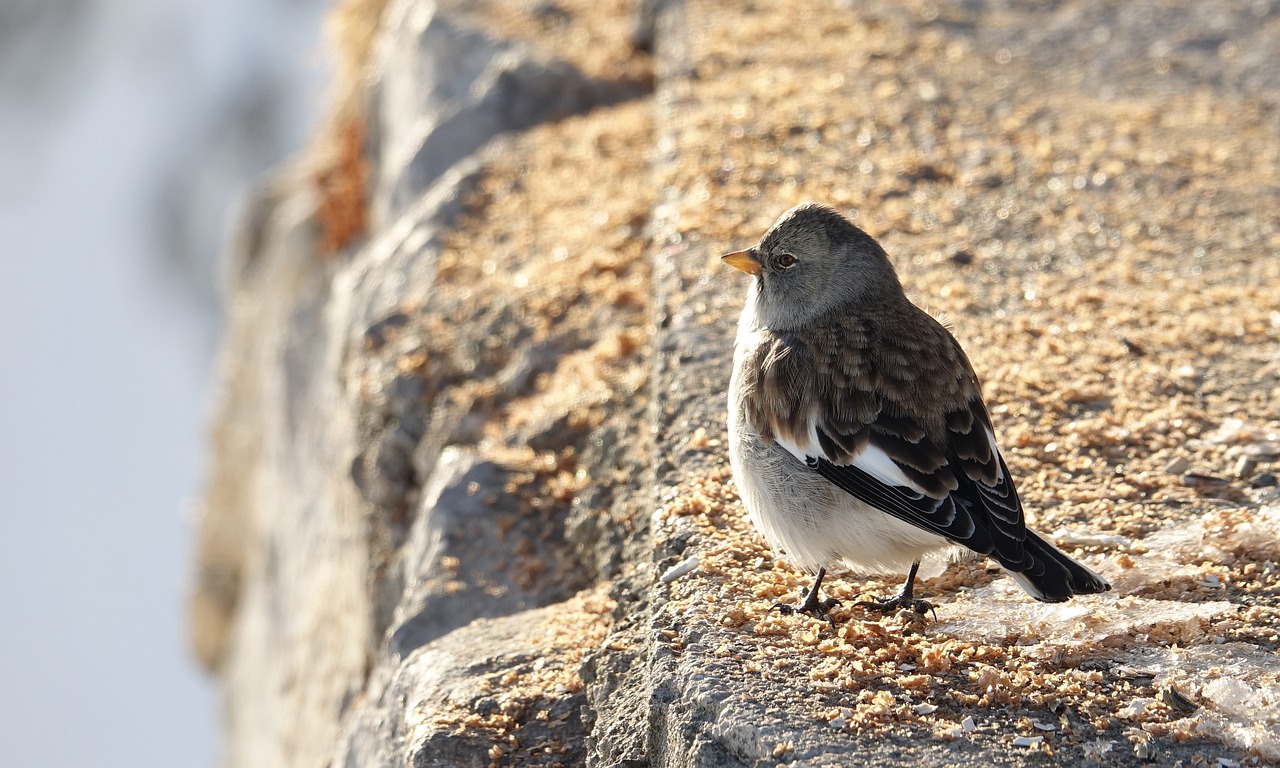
x=680 y=569
x=1174 y=698
x=1133 y=709
x=1133 y=347
x=1245 y=466
x=1196 y=480
x=1263 y=451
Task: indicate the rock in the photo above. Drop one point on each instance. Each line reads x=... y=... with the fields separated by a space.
x=457 y=565
x=281 y=606
x=443 y=90
x=469 y=503
x=326 y=443
x=491 y=688
x=1264 y=480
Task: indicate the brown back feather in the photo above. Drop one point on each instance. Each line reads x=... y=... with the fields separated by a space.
x=892 y=368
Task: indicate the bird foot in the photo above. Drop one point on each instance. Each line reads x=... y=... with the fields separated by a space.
x=818 y=609
x=891 y=604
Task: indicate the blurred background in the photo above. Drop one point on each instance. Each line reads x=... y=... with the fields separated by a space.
x=128 y=128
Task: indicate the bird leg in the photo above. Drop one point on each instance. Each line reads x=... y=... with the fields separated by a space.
x=904 y=599
x=811 y=604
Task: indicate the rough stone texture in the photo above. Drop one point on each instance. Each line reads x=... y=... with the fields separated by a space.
x=469 y=502
x=281 y=607
x=331 y=543
x=443 y=90
x=496 y=687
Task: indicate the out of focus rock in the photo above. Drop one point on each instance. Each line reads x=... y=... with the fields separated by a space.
x=444 y=89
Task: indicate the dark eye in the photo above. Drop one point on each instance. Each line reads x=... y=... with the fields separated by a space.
x=784 y=261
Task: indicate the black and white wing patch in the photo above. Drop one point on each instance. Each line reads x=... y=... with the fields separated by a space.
x=960 y=489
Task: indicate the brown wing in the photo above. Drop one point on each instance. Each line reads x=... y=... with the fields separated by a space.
x=887 y=407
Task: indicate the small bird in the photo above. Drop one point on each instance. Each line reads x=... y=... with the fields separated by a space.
x=857 y=432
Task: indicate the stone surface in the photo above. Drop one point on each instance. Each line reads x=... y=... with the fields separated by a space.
x=281 y=607
x=494 y=688
x=317 y=466
x=469 y=502
x=443 y=90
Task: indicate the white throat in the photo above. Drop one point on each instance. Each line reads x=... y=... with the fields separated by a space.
x=757 y=315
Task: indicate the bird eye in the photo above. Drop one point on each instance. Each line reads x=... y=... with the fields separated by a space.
x=784 y=261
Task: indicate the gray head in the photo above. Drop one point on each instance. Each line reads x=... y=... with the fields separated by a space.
x=810 y=262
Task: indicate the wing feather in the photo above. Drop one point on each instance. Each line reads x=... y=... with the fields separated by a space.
x=898 y=424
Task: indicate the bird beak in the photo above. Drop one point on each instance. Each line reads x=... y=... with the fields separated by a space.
x=743 y=260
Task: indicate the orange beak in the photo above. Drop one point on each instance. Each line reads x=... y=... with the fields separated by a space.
x=743 y=260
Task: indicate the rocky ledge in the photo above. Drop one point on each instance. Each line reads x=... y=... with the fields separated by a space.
x=469 y=502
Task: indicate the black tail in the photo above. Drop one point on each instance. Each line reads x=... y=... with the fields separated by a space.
x=1050 y=576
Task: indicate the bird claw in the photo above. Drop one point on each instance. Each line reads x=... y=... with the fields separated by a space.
x=891 y=604
x=818 y=609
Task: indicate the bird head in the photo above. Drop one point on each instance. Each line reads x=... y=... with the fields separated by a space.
x=813 y=261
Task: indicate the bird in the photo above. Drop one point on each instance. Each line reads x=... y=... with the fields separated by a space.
x=858 y=436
